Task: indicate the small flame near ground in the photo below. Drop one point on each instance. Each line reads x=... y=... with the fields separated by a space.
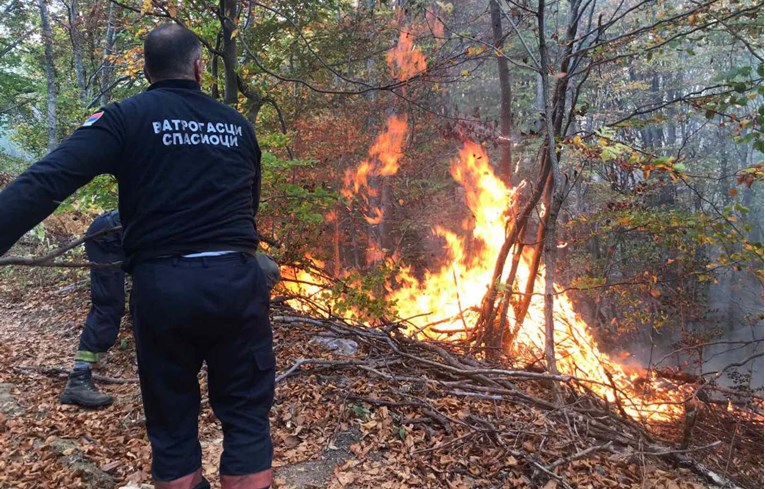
x=448 y=295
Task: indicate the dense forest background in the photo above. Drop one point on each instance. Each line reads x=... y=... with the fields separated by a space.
x=630 y=133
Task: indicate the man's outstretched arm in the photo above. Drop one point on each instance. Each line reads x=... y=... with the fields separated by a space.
x=91 y=150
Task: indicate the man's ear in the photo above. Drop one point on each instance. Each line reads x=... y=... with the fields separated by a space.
x=198 y=70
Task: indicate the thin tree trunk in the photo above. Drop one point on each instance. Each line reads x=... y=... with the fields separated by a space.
x=107 y=73
x=550 y=250
x=215 y=91
x=557 y=199
x=505 y=96
x=228 y=23
x=76 y=38
x=50 y=74
x=338 y=261
x=539 y=103
x=386 y=206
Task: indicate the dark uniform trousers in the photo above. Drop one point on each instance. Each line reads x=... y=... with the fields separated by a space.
x=107 y=290
x=215 y=310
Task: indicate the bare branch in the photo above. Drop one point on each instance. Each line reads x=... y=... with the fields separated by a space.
x=47 y=260
x=61 y=371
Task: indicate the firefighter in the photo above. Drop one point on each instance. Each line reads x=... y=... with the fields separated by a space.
x=107 y=304
x=107 y=298
x=189 y=172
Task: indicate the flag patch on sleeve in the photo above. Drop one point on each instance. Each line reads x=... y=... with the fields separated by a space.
x=92 y=119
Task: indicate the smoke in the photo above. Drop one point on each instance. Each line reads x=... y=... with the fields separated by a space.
x=736 y=310
x=732 y=330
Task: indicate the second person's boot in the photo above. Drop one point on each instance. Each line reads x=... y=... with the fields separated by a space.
x=81 y=390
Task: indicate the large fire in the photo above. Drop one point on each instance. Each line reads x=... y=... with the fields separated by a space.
x=449 y=296
x=455 y=291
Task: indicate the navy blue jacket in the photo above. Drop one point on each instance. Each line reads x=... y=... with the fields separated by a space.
x=188 y=169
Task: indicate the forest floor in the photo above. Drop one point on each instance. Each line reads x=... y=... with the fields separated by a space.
x=377 y=418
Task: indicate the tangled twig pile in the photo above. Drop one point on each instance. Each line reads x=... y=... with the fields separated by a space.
x=423 y=376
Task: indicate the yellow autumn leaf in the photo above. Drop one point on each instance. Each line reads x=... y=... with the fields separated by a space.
x=234 y=33
x=146 y=6
x=447 y=7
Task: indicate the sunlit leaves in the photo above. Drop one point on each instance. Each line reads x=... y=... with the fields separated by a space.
x=748 y=176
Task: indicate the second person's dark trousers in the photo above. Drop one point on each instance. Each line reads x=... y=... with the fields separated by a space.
x=107 y=291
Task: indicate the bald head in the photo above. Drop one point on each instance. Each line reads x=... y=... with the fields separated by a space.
x=171 y=52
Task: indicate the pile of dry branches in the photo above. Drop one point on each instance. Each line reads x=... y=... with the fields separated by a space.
x=438 y=367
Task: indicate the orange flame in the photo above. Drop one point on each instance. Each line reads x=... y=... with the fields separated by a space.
x=304 y=284
x=384 y=156
x=376 y=218
x=388 y=147
x=405 y=60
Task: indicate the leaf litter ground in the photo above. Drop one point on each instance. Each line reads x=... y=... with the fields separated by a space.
x=394 y=415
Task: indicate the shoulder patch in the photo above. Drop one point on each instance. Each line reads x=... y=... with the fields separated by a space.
x=92 y=119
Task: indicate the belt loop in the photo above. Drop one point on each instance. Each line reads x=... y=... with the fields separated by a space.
x=175 y=261
x=204 y=262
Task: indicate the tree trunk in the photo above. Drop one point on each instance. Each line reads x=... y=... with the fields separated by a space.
x=553 y=125
x=539 y=103
x=550 y=250
x=505 y=96
x=50 y=74
x=228 y=24
x=215 y=90
x=107 y=73
x=76 y=37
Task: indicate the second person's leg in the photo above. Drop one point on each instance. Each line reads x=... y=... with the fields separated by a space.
x=107 y=293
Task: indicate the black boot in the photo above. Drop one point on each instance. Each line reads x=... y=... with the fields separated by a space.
x=81 y=391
